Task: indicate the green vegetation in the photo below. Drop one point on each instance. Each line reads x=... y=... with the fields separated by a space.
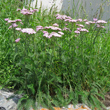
x=53 y=65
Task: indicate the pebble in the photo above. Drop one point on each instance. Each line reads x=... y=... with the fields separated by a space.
x=8 y=104
x=11 y=104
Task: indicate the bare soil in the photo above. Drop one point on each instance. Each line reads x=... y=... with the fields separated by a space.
x=106 y=102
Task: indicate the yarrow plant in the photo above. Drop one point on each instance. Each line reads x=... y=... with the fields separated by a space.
x=55 y=62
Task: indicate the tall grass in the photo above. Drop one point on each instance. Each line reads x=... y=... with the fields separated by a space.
x=53 y=70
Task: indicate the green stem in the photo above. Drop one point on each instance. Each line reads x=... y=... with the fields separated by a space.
x=82 y=57
x=96 y=36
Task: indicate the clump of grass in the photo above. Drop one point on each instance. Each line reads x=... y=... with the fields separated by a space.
x=54 y=59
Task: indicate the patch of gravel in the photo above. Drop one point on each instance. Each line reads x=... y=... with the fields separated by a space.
x=8 y=104
x=11 y=104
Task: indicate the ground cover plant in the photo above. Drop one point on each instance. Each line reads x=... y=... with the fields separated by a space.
x=52 y=58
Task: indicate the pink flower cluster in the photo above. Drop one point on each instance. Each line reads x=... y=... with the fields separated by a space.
x=24 y=30
x=55 y=28
x=99 y=23
x=28 y=31
x=26 y=11
x=62 y=17
x=17 y=40
x=79 y=30
x=39 y=28
x=66 y=29
x=67 y=18
x=90 y=22
x=55 y=24
x=55 y=34
x=13 y=22
x=80 y=25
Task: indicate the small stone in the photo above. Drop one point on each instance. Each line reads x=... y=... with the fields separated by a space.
x=108 y=108
x=2 y=108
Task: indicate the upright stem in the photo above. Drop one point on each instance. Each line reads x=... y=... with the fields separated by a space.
x=82 y=56
x=25 y=56
x=96 y=36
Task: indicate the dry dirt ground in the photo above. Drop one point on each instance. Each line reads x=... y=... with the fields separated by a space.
x=106 y=102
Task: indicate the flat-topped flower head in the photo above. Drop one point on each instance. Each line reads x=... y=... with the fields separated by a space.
x=68 y=17
x=46 y=34
x=67 y=20
x=65 y=29
x=35 y=9
x=55 y=34
x=100 y=26
x=85 y=20
x=59 y=17
x=84 y=30
x=39 y=28
x=65 y=17
x=79 y=28
x=28 y=30
x=56 y=28
x=55 y=24
x=101 y=22
x=13 y=25
x=80 y=25
x=90 y=22
x=13 y=21
x=53 y=28
x=31 y=11
x=94 y=19
x=6 y=19
x=87 y=23
x=47 y=27
x=61 y=33
x=26 y=11
x=21 y=23
x=73 y=21
x=17 y=40
x=18 y=29
x=18 y=20
x=77 y=32
x=62 y=17
x=80 y=20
